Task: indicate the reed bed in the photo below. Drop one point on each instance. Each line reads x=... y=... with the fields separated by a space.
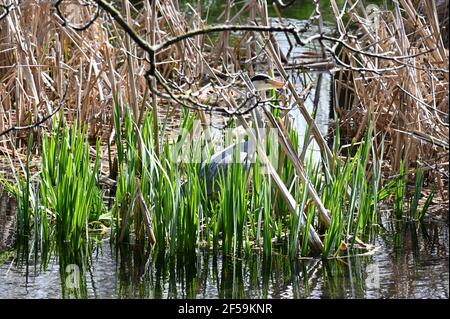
x=408 y=101
x=111 y=128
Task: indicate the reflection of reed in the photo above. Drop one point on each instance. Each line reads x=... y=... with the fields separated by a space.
x=151 y=274
x=134 y=264
x=412 y=264
x=73 y=268
x=344 y=278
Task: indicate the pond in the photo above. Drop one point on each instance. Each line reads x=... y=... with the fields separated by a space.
x=409 y=260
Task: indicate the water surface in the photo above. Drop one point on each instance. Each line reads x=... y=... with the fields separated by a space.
x=415 y=267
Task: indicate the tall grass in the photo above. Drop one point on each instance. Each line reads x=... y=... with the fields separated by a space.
x=56 y=205
x=233 y=199
x=244 y=211
x=350 y=196
x=170 y=187
x=68 y=184
x=414 y=132
x=415 y=213
x=164 y=200
x=27 y=198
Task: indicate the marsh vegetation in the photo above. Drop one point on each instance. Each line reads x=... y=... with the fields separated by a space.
x=112 y=113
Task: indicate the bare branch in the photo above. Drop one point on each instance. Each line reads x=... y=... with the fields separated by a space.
x=5 y=9
x=281 y=4
x=185 y=98
x=66 y=23
x=295 y=31
x=31 y=126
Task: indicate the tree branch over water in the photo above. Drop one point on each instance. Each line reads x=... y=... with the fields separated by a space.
x=175 y=93
x=153 y=50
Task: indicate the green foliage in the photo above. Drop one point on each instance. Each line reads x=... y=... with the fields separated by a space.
x=167 y=195
x=68 y=184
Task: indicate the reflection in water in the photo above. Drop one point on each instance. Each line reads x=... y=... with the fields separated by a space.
x=416 y=268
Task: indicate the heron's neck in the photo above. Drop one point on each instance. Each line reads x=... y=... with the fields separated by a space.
x=259 y=119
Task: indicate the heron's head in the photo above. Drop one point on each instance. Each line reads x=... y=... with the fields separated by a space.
x=263 y=82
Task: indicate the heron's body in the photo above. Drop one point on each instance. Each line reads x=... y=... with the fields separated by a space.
x=220 y=163
x=238 y=153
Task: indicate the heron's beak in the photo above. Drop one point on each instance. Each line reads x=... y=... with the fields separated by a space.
x=277 y=84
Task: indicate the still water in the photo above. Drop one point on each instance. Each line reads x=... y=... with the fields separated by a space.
x=413 y=263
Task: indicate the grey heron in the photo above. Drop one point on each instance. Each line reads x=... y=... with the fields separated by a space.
x=221 y=160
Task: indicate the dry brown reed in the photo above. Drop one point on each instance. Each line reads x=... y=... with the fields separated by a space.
x=408 y=103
